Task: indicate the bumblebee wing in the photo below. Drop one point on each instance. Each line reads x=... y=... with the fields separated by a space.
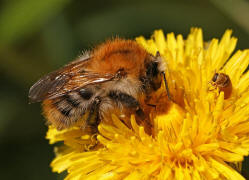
x=69 y=78
x=79 y=81
x=47 y=85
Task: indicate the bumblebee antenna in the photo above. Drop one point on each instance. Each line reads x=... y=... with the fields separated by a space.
x=164 y=78
x=166 y=86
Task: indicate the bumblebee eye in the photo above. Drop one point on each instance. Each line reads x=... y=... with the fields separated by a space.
x=215 y=77
x=152 y=69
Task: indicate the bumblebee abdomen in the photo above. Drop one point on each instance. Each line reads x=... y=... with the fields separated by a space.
x=65 y=110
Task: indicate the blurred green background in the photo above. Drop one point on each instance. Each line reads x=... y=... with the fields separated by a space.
x=37 y=37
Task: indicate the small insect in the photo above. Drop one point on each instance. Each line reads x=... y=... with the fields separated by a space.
x=223 y=82
x=114 y=75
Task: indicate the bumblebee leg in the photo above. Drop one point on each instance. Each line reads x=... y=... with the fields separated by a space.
x=125 y=99
x=93 y=116
x=130 y=102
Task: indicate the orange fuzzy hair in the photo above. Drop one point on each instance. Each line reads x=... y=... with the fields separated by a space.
x=115 y=54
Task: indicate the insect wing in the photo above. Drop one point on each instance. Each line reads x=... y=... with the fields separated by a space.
x=69 y=78
x=79 y=81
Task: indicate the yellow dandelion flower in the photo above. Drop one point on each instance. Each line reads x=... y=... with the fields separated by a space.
x=196 y=136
